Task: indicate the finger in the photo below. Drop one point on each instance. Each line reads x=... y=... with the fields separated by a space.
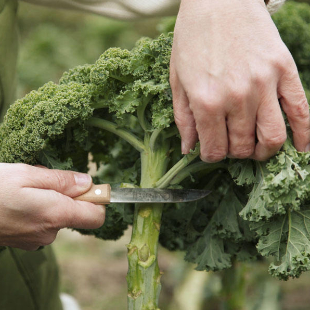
x=241 y=130
x=183 y=115
x=66 y=182
x=185 y=121
x=271 y=130
x=211 y=127
x=295 y=106
x=33 y=243
x=27 y=246
x=63 y=211
x=33 y=237
x=40 y=166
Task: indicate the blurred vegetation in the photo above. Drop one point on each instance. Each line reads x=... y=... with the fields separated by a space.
x=52 y=41
x=293 y=22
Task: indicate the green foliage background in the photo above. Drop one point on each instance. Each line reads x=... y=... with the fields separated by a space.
x=52 y=42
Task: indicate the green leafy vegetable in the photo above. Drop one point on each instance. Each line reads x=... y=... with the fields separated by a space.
x=119 y=110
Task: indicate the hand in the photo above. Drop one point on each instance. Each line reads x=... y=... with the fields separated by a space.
x=35 y=203
x=229 y=71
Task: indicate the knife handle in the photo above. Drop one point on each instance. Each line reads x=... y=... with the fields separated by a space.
x=98 y=194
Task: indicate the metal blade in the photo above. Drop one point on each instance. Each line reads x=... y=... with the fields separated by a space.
x=155 y=195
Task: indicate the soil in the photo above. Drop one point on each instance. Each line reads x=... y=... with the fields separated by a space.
x=94 y=272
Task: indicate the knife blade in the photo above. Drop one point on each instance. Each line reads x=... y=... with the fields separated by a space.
x=103 y=194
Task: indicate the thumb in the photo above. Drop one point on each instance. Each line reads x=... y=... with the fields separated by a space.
x=69 y=183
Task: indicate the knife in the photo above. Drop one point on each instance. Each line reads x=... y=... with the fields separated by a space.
x=103 y=194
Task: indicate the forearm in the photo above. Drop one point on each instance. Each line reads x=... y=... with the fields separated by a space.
x=120 y=9
x=130 y=9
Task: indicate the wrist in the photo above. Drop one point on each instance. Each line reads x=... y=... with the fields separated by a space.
x=272 y=5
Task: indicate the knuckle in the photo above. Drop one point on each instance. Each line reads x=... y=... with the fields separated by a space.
x=46 y=238
x=172 y=77
x=63 y=181
x=214 y=156
x=24 y=174
x=23 y=169
x=283 y=60
x=239 y=94
x=30 y=247
x=200 y=96
x=186 y=129
x=179 y=118
x=53 y=222
x=50 y=238
x=302 y=109
x=99 y=221
x=261 y=78
x=173 y=85
x=184 y=118
x=242 y=151
x=209 y=105
x=53 y=219
x=275 y=141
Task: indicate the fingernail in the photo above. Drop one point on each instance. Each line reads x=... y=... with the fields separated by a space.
x=82 y=179
x=307 y=149
x=184 y=148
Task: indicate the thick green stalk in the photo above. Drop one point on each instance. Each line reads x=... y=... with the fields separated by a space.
x=141 y=114
x=124 y=134
x=234 y=288
x=199 y=166
x=179 y=166
x=143 y=276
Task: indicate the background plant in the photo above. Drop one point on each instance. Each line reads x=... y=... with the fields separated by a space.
x=303 y=69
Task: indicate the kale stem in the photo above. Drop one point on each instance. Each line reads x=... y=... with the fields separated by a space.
x=154 y=137
x=124 y=134
x=124 y=79
x=200 y=166
x=99 y=104
x=171 y=132
x=234 y=287
x=179 y=166
x=289 y=215
x=144 y=275
x=141 y=114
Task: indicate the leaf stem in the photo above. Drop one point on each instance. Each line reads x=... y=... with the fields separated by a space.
x=141 y=114
x=112 y=127
x=154 y=137
x=200 y=166
x=180 y=165
x=289 y=218
x=99 y=104
x=124 y=78
x=171 y=131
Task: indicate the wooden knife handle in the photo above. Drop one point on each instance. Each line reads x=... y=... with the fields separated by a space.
x=98 y=194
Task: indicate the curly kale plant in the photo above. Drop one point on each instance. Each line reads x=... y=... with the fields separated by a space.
x=119 y=110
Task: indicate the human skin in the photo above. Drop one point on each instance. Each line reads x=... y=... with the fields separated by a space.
x=227 y=81
x=229 y=72
x=36 y=202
